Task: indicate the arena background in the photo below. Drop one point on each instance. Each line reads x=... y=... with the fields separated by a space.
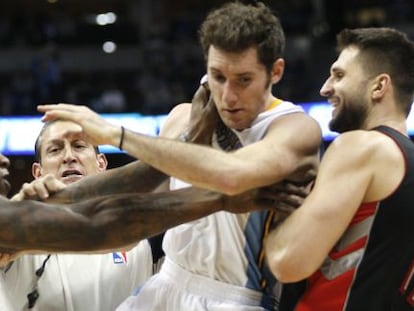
x=142 y=56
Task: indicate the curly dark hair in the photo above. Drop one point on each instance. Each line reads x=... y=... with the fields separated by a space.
x=235 y=27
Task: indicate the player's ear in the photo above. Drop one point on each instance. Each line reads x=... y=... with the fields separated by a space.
x=380 y=86
x=277 y=70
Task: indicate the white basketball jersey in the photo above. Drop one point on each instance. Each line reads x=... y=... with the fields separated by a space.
x=224 y=246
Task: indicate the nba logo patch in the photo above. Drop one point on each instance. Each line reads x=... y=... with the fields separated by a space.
x=119 y=257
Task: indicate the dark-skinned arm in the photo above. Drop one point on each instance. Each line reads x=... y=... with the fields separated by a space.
x=134 y=177
x=99 y=223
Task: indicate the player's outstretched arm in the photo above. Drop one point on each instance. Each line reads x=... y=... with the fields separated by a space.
x=102 y=223
x=135 y=177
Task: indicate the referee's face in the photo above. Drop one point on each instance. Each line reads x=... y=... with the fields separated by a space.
x=66 y=154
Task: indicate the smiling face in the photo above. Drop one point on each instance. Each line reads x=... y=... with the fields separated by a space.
x=4 y=173
x=240 y=85
x=66 y=154
x=347 y=90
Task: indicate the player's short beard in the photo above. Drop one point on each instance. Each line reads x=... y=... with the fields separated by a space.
x=351 y=117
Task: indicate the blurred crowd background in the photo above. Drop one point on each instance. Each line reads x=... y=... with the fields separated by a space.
x=143 y=55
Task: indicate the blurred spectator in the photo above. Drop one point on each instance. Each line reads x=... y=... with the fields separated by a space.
x=47 y=76
x=154 y=92
x=165 y=32
x=112 y=99
x=20 y=93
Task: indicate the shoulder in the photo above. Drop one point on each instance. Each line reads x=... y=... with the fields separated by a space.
x=297 y=128
x=176 y=121
x=361 y=141
x=297 y=121
x=180 y=109
x=178 y=112
x=362 y=148
x=367 y=153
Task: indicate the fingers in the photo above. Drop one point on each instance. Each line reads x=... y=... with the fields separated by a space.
x=279 y=199
x=18 y=197
x=39 y=189
x=211 y=105
x=204 y=81
x=61 y=111
x=288 y=187
x=97 y=130
x=202 y=118
x=26 y=193
x=201 y=96
x=5 y=259
x=289 y=201
x=62 y=107
x=36 y=189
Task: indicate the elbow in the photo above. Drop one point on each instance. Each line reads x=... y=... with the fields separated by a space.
x=287 y=270
x=230 y=189
x=286 y=275
x=231 y=184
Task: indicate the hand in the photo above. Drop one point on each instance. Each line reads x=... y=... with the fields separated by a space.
x=203 y=117
x=39 y=189
x=244 y=202
x=6 y=258
x=287 y=195
x=283 y=197
x=97 y=129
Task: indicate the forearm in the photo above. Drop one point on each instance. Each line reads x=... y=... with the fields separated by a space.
x=198 y=165
x=291 y=251
x=33 y=225
x=145 y=215
x=227 y=172
x=134 y=177
x=103 y=223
